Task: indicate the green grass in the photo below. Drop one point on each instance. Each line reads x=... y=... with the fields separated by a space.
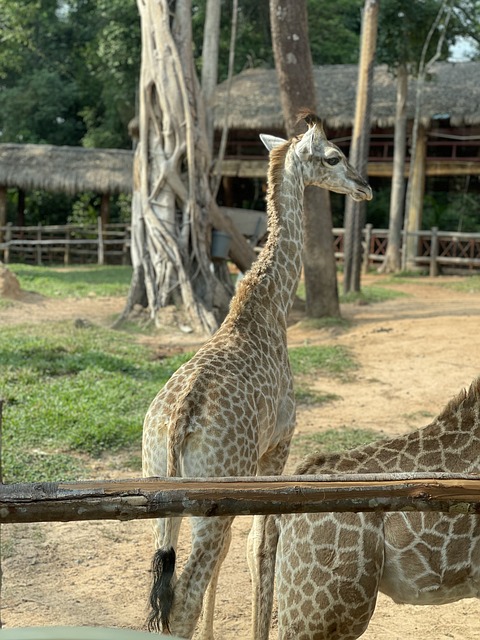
x=330 y=360
x=306 y=396
x=70 y=392
x=78 y=282
x=369 y=294
x=372 y=294
x=470 y=284
x=312 y=361
x=75 y=393
x=333 y=440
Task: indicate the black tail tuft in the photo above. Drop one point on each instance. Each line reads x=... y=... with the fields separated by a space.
x=161 y=594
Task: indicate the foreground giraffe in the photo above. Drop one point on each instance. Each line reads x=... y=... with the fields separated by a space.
x=330 y=567
x=230 y=410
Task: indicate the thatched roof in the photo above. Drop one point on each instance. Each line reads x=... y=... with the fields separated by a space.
x=66 y=169
x=453 y=90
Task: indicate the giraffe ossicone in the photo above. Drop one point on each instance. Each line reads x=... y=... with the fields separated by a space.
x=329 y=568
x=230 y=410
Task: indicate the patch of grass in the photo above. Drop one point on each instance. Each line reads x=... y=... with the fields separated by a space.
x=72 y=390
x=78 y=281
x=325 y=323
x=331 y=360
x=372 y=294
x=333 y=440
x=468 y=284
x=5 y=303
x=306 y=396
x=369 y=294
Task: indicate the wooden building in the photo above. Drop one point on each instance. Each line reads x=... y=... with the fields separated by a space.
x=450 y=117
x=449 y=141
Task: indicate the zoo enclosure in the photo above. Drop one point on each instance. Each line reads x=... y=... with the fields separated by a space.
x=110 y=244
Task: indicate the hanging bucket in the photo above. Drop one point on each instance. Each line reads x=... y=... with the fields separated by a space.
x=221 y=242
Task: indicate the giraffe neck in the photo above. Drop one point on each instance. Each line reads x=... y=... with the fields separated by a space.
x=273 y=279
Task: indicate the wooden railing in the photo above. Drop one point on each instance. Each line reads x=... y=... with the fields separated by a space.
x=435 y=249
x=83 y=244
x=66 y=244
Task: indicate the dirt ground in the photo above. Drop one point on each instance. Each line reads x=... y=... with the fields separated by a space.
x=415 y=353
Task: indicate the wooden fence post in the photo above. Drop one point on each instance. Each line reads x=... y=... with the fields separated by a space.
x=101 y=248
x=8 y=239
x=39 y=245
x=66 y=254
x=434 y=253
x=366 y=252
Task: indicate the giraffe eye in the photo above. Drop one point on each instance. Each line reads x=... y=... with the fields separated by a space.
x=332 y=161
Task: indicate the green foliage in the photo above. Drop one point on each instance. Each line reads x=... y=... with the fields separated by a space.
x=333 y=440
x=68 y=71
x=451 y=211
x=76 y=282
x=404 y=26
x=335 y=35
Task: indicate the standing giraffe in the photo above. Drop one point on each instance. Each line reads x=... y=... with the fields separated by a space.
x=230 y=410
x=330 y=566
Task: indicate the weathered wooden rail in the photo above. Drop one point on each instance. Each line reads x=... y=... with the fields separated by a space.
x=161 y=497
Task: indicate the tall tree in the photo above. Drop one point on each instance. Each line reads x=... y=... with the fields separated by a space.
x=172 y=203
x=294 y=66
x=355 y=211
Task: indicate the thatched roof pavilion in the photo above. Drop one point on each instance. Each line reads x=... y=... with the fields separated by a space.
x=66 y=169
x=453 y=91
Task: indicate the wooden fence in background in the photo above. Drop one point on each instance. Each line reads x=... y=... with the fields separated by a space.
x=66 y=244
x=87 y=244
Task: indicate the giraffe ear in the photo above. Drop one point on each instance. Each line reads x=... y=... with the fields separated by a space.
x=271 y=141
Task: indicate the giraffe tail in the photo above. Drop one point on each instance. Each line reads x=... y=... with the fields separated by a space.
x=161 y=594
x=163 y=563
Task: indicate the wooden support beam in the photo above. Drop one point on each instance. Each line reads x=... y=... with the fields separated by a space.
x=161 y=497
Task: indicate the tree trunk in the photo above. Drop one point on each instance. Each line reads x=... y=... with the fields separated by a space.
x=3 y=210
x=355 y=211
x=293 y=62
x=172 y=206
x=393 y=262
x=319 y=266
x=211 y=37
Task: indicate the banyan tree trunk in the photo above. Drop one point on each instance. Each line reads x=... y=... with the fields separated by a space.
x=171 y=199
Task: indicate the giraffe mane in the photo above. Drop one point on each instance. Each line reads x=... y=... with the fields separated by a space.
x=466 y=400
x=247 y=286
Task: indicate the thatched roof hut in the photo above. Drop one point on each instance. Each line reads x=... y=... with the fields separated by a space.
x=453 y=91
x=66 y=169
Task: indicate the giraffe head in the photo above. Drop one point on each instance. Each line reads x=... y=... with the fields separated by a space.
x=323 y=164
